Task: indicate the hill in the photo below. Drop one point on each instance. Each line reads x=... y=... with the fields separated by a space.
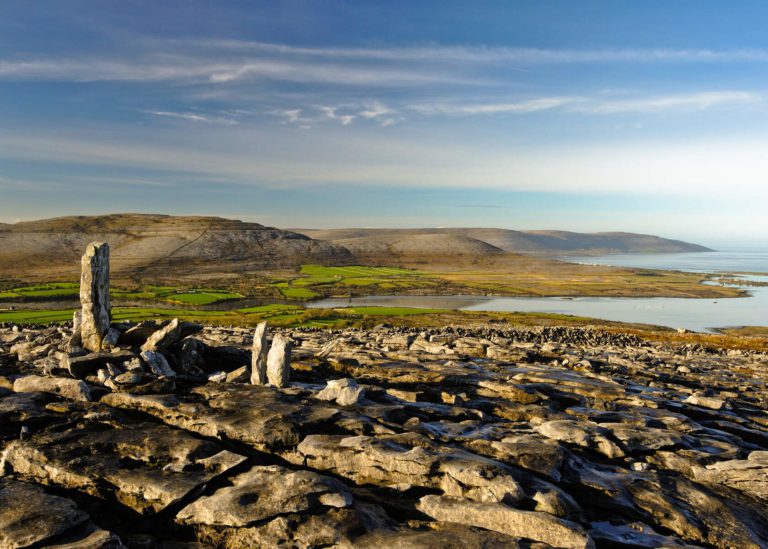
x=526 y=242
x=156 y=245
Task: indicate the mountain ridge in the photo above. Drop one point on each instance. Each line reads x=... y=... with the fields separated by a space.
x=531 y=242
x=153 y=246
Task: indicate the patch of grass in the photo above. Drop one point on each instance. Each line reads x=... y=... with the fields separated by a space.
x=316 y=280
x=202 y=297
x=37 y=317
x=390 y=311
x=298 y=293
x=320 y=271
x=53 y=289
x=272 y=308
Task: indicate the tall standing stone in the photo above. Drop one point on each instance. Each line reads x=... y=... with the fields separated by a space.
x=279 y=361
x=94 y=295
x=259 y=355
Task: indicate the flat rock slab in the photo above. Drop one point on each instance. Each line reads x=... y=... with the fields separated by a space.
x=82 y=366
x=507 y=520
x=144 y=466
x=748 y=475
x=407 y=460
x=265 y=492
x=28 y=515
x=25 y=409
x=72 y=389
x=262 y=417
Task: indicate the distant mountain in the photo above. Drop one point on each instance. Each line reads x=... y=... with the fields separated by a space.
x=157 y=245
x=524 y=242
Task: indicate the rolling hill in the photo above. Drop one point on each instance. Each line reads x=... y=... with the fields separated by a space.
x=156 y=245
x=159 y=247
x=525 y=242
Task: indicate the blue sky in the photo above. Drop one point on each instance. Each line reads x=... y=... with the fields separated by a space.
x=590 y=116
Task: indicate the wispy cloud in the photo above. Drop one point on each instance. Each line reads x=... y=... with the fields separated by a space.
x=700 y=101
x=225 y=61
x=484 y=54
x=331 y=113
x=597 y=104
x=531 y=105
x=194 y=117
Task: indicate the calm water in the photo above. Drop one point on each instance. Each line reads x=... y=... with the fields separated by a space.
x=727 y=260
x=693 y=314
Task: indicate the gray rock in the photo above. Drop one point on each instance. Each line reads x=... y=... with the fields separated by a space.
x=146 y=467
x=164 y=337
x=636 y=534
x=265 y=492
x=279 y=361
x=699 y=399
x=747 y=475
x=581 y=433
x=507 y=520
x=259 y=355
x=110 y=339
x=345 y=392
x=81 y=367
x=157 y=364
x=30 y=517
x=72 y=389
x=94 y=295
x=240 y=375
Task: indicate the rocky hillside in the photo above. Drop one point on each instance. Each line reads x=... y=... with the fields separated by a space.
x=470 y=437
x=158 y=244
x=528 y=242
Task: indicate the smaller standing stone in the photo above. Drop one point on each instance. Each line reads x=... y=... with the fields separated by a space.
x=94 y=295
x=279 y=361
x=259 y=355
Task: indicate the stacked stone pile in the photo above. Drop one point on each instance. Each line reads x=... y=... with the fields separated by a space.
x=176 y=435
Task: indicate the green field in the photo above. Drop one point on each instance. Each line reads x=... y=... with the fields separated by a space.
x=54 y=289
x=355 y=271
x=298 y=293
x=170 y=294
x=276 y=314
x=317 y=280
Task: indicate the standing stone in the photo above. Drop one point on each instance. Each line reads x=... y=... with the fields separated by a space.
x=94 y=295
x=279 y=361
x=259 y=355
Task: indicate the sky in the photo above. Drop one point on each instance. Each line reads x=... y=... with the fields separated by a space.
x=611 y=115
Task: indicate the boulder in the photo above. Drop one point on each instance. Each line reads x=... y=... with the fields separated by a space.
x=345 y=392
x=164 y=337
x=81 y=367
x=157 y=364
x=72 y=389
